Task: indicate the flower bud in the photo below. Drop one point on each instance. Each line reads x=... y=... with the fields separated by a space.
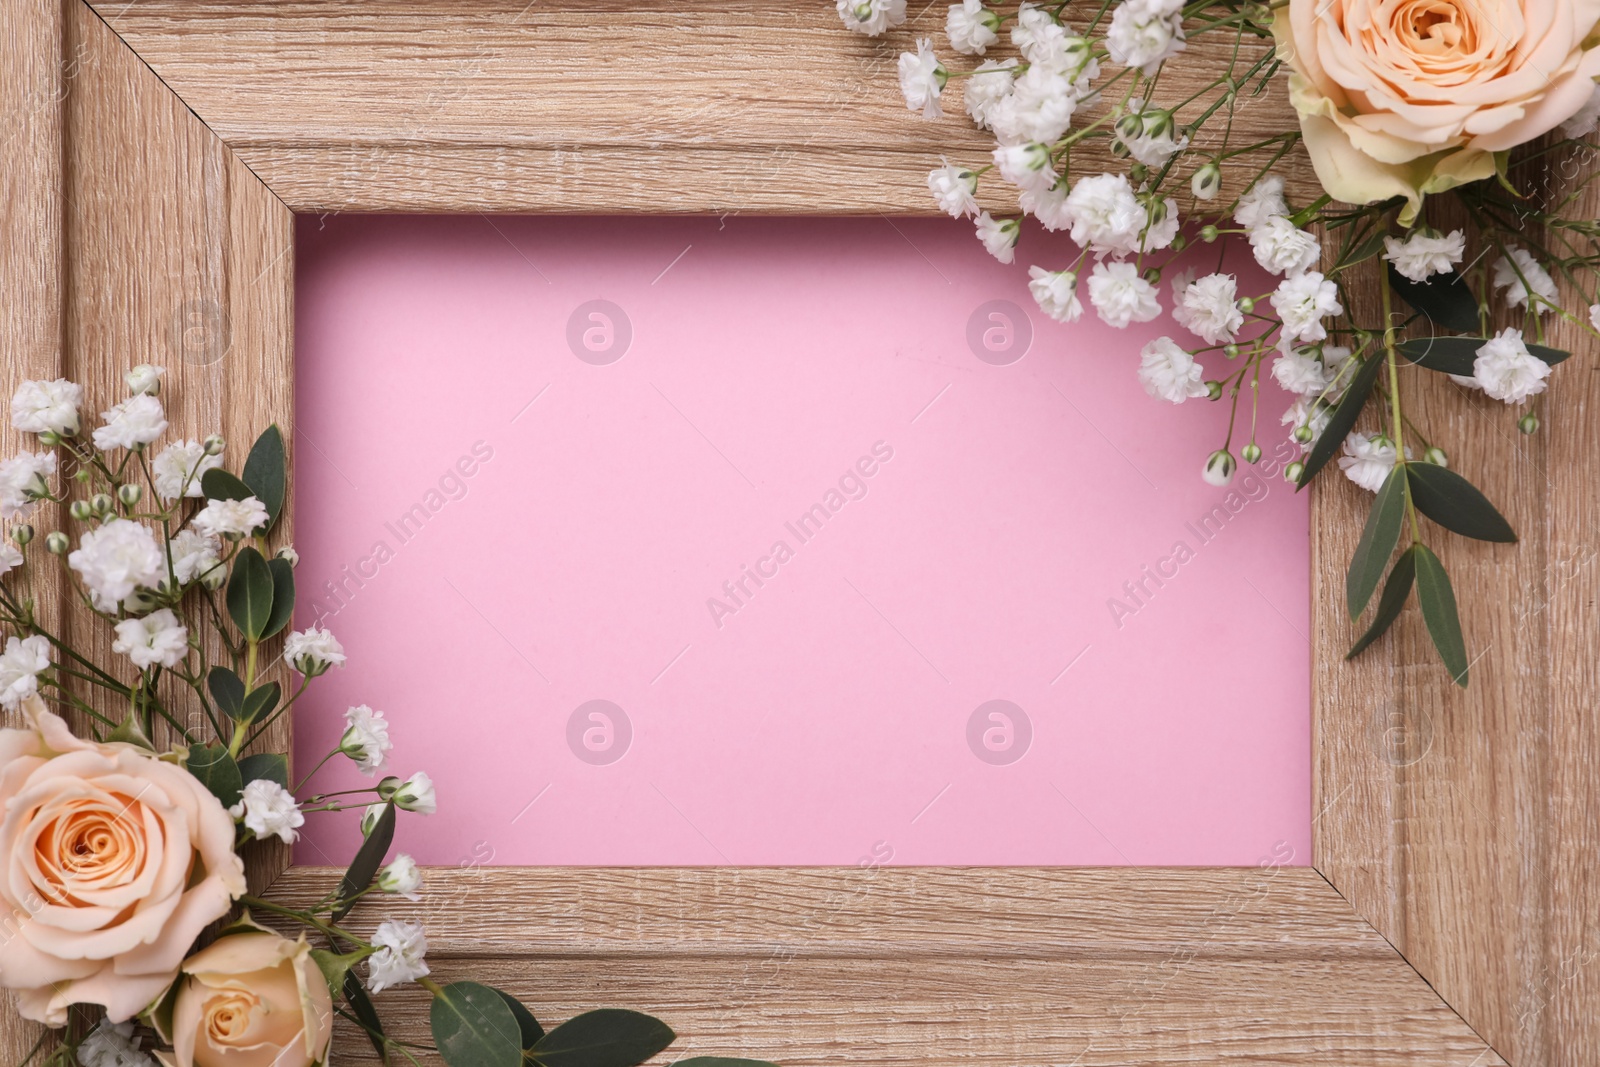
x=388 y=785
x=1247 y=304
x=1209 y=233
x=49 y=438
x=213 y=445
x=56 y=542
x=129 y=494
x=80 y=510
x=1138 y=173
x=1231 y=350
x=1436 y=456
x=1156 y=122
x=1213 y=390
x=1293 y=471
x=1130 y=126
x=288 y=554
x=1207 y=182
x=1179 y=243
x=1529 y=423
x=1303 y=434
x=1156 y=209
x=102 y=503
x=81 y=474
x=22 y=534
x=1153 y=275
x=144 y=379
x=417 y=795
x=1219 y=468
x=369 y=818
x=1251 y=452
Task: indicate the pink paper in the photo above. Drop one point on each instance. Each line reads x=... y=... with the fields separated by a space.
x=782 y=541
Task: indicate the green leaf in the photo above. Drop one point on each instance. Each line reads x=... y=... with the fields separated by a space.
x=282 y=596
x=264 y=471
x=260 y=702
x=1454 y=503
x=1439 y=612
x=1395 y=591
x=368 y=859
x=218 y=484
x=272 y=766
x=609 y=1037
x=227 y=690
x=1456 y=355
x=1444 y=298
x=1377 y=543
x=250 y=593
x=527 y=1025
x=1342 y=419
x=1366 y=250
x=356 y=995
x=217 y=771
x=473 y=1027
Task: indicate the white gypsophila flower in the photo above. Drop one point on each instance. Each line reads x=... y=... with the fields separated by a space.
x=312 y=651
x=24 y=479
x=230 y=518
x=23 y=660
x=1040 y=108
x=1283 y=248
x=10 y=558
x=47 y=407
x=156 y=639
x=1300 y=372
x=1158 y=234
x=1168 y=372
x=1422 y=254
x=1302 y=302
x=1025 y=165
x=1145 y=33
x=922 y=79
x=953 y=187
x=178 y=468
x=370 y=816
x=1106 y=215
x=1037 y=34
x=1584 y=121
x=196 y=556
x=1206 y=182
x=986 y=87
x=999 y=236
x=401 y=947
x=1219 y=468
x=144 y=379
x=417 y=794
x=1261 y=202
x=1056 y=292
x=1154 y=144
x=1120 y=295
x=1049 y=206
x=114 y=560
x=1520 y=273
x=1209 y=308
x=133 y=423
x=268 y=810
x=366 y=738
x=1594 y=317
x=972 y=28
x=1310 y=414
x=1367 y=461
x=871 y=17
x=1506 y=370
x=403 y=877
x=112 y=1044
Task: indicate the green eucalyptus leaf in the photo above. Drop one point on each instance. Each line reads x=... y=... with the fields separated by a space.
x=1444 y=298
x=369 y=857
x=227 y=689
x=1364 y=251
x=1378 y=539
x=217 y=771
x=474 y=1027
x=250 y=593
x=1343 y=418
x=609 y=1037
x=1454 y=503
x=259 y=702
x=1395 y=591
x=1438 y=602
x=527 y=1025
x=355 y=994
x=282 y=596
x=1458 y=355
x=272 y=766
x=218 y=484
x=265 y=471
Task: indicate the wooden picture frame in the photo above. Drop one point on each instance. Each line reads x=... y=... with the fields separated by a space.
x=154 y=154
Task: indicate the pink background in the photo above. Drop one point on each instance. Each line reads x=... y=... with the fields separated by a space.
x=826 y=721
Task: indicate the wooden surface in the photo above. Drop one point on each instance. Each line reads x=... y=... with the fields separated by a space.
x=506 y=105
x=924 y=966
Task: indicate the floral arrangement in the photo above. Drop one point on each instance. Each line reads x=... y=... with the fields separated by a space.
x=127 y=918
x=1411 y=111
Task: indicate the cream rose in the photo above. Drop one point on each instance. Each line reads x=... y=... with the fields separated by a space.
x=1409 y=97
x=250 y=999
x=114 y=861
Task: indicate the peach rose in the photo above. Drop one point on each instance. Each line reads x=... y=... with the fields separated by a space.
x=1409 y=97
x=114 y=861
x=250 y=1000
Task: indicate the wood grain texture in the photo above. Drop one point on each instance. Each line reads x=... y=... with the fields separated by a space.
x=504 y=105
x=917 y=966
